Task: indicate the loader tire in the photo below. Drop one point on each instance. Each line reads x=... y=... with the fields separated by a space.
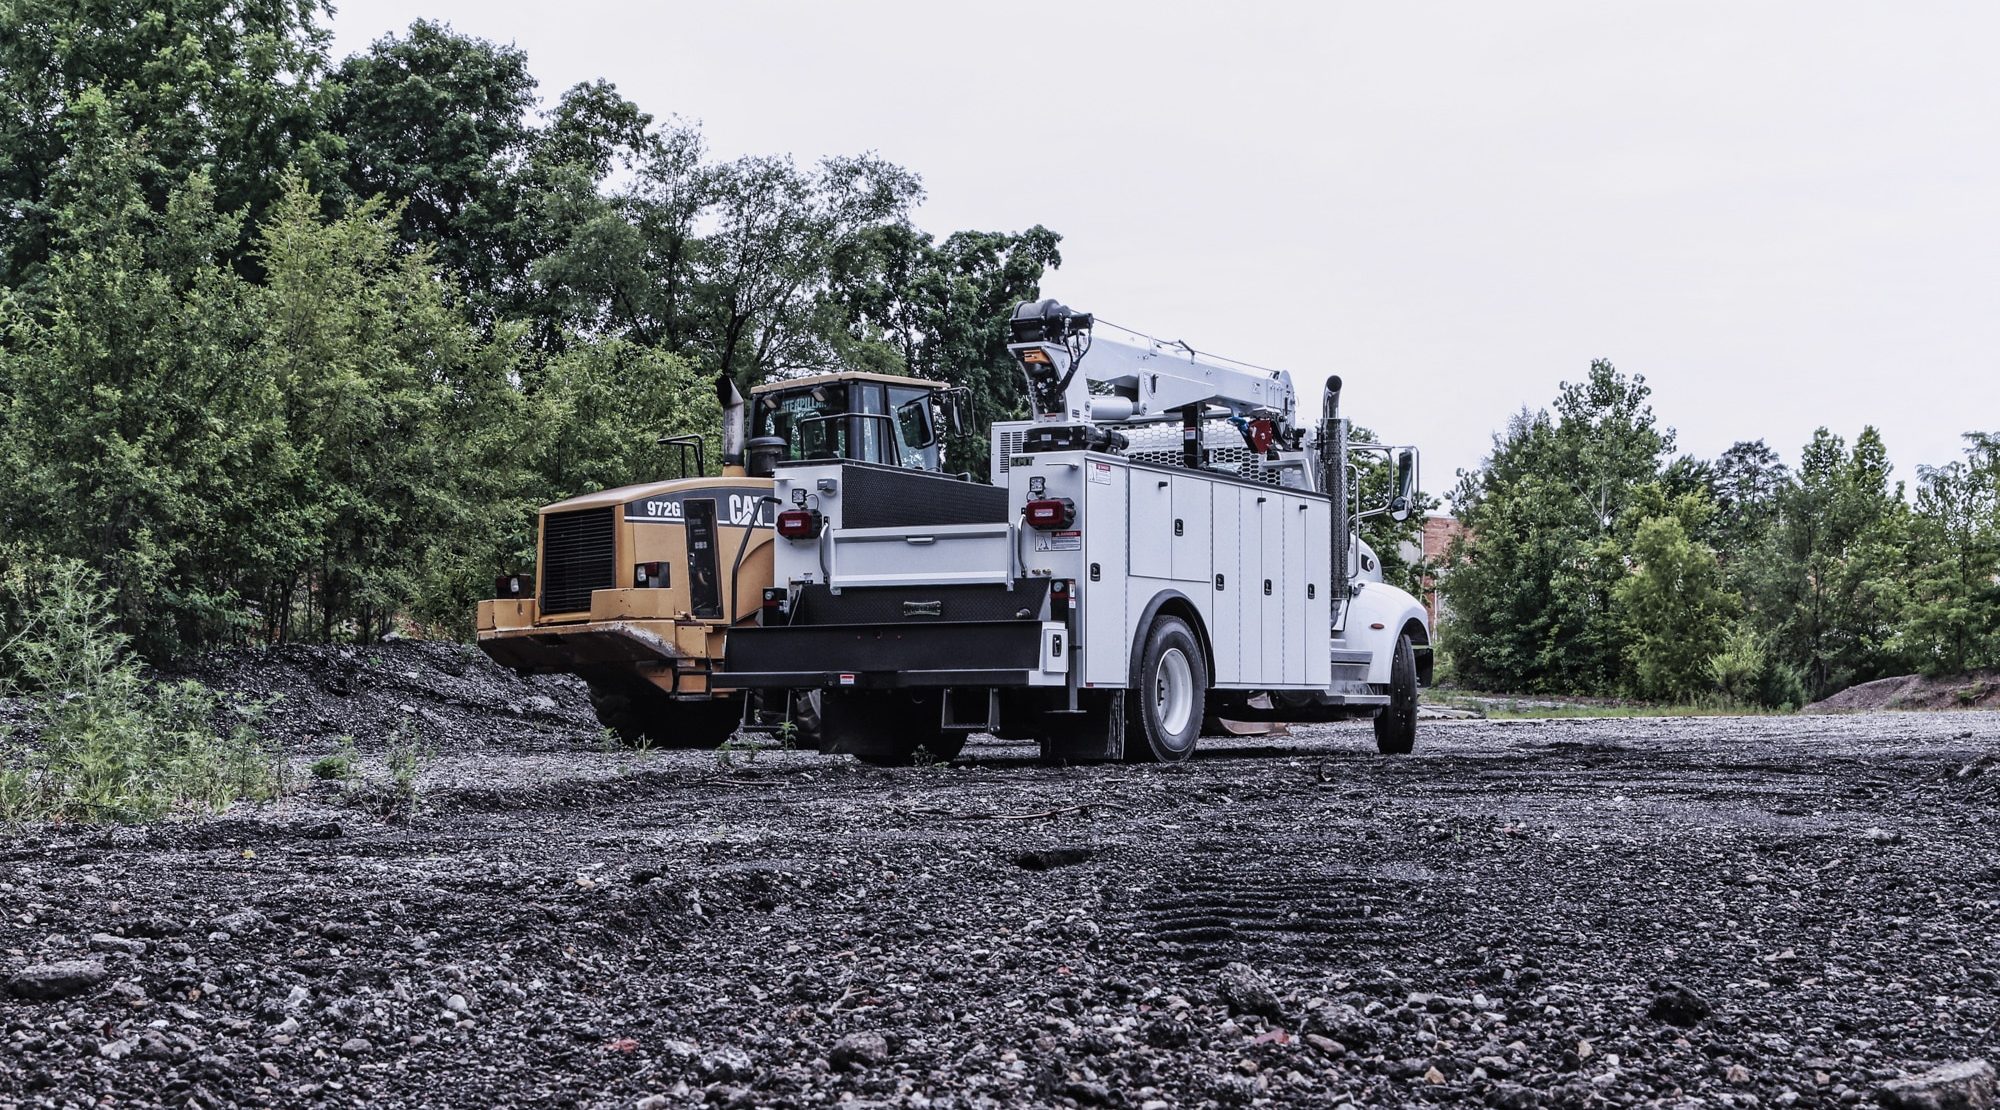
x=1396 y=722
x=641 y=715
x=1163 y=710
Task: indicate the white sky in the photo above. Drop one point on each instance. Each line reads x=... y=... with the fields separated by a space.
x=1784 y=214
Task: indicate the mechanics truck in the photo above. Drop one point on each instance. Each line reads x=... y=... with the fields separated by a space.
x=637 y=589
x=1161 y=547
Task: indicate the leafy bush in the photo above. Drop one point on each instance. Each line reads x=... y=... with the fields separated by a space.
x=106 y=743
x=337 y=766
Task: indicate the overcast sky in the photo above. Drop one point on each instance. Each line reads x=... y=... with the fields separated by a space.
x=1782 y=214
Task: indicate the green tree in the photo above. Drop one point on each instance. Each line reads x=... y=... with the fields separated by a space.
x=437 y=123
x=1948 y=614
x=224 y=88
x=1531 y=583
x=1676 y=614
x=403 y=426
x=134 y=414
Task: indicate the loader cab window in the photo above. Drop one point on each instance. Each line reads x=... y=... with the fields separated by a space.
x=916 y=428
x=874 y=434
x=790 y=414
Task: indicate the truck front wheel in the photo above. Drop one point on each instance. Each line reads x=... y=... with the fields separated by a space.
x=1164 y=710
x=1396 y=722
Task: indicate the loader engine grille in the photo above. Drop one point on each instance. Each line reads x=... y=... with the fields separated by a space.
x=577 y=557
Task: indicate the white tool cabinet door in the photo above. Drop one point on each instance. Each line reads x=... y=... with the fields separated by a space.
x=1193 y=500
x=1152 y=524
x=1319 y=607
x=1106 y=636
x=1226 y=588
x=1270 y=509
x=1297 y=627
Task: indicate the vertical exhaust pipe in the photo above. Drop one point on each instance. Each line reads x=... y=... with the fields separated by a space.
x=733 y=426
x=1333 y=482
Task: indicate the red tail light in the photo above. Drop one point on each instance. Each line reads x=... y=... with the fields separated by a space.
x=1051 y=513
x=800 y=524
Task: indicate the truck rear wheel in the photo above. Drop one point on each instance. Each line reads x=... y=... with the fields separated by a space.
x=1163 y=711
x=886 y=728
x=1396 y=722
x=640 y=713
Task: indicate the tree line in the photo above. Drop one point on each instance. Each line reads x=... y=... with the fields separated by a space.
x=291 y=347
x=1596 y=561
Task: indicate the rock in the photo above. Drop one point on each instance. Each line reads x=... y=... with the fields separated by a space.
x=1246 y=991
x=457 y=1004
x=116 y=1050
x=1513 y=1096
x=1677 y=1005
x=1737 y=1076
x=720 y=1065
x=61 y=979
x=541 y=703
x=105 y=942
x=241 y=922
x=1327 y=1045
x=857 y=1051
x=653 y=1102
x=1966 y=1085
x=356 y=1046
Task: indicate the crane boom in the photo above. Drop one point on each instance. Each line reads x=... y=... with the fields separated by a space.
x=1153 y=380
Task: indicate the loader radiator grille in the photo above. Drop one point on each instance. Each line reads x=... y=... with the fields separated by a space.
x=577 y=557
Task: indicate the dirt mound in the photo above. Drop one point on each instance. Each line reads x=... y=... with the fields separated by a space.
x=1972 y=690
x=448 y=697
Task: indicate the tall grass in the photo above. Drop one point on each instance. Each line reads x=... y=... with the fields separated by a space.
x=104 y=743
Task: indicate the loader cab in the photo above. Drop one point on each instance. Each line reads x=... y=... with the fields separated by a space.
x=874 y=418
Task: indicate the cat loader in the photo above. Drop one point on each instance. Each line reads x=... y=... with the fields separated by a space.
x=636 y=589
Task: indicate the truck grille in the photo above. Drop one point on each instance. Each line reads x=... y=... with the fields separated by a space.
x=577 y=557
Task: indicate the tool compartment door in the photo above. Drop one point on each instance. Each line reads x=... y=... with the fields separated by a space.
x=1193 y=501
x=947 y=554
x=1106 y=638
x=1152 y=523
x=1225 y=587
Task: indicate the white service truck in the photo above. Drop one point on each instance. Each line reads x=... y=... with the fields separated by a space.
x=1121 y=586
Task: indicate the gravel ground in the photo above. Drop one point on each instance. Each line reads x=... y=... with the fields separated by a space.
x=1679 y=912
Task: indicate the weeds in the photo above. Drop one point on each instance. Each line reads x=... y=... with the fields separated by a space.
x=110 y=745
x=338 y=766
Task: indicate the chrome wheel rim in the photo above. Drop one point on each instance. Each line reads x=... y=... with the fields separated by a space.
x=1173 y=692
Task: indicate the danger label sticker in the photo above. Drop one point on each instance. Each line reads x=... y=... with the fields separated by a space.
x=1059 y=541
x=1100 y=473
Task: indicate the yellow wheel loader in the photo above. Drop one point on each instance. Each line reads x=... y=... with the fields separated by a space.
x=635 y=589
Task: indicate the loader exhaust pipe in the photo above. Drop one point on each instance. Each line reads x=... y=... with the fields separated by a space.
x=733 y=416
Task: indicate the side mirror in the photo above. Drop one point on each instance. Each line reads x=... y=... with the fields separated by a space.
x=913 y=417
x=957 y=406
x=1406 y=485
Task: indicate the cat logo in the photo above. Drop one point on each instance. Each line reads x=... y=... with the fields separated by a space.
x=923 y=608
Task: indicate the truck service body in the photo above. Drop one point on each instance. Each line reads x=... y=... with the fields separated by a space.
x=1101 y=598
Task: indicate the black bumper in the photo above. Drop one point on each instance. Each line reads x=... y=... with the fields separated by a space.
x=883 y=656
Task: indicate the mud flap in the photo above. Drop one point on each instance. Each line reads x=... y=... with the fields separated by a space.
x=1095 y=732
